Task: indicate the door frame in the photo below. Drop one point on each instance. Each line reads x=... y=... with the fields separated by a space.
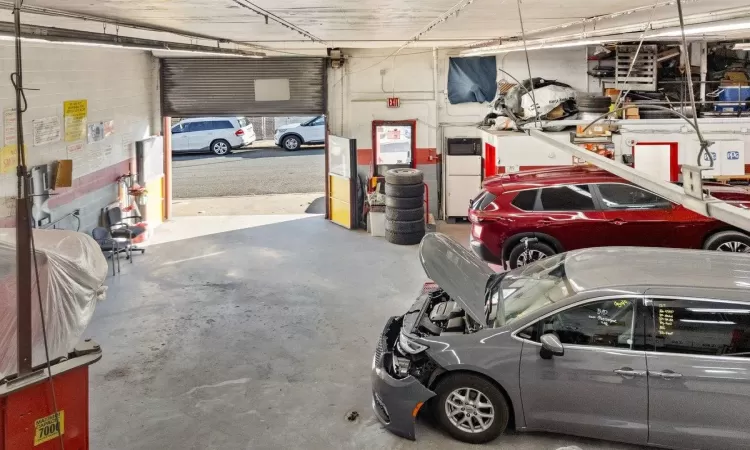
x=674 y=154
x=408 y=123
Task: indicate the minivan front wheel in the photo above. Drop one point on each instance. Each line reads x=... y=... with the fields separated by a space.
x=220 y=147
x=470 y=408
x=520 y=256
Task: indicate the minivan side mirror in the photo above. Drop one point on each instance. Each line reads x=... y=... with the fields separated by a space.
x=551 y=346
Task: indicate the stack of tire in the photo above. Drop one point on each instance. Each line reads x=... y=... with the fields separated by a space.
x=593 y=106
x=404 y=206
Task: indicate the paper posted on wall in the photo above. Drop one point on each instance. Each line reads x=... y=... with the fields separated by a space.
x=46 y=130
x=95 y=132
x=10 y=128
x=109 y=127
x=74 y=114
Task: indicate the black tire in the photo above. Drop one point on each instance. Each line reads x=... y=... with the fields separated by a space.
x=404 y=190
x=516 y=257
x=646 y=113
x=480 y=384
x=594 y=102
x=404 y=176
x=220 y=147
x=728 y=241
x=405 y=227
x=404 y=203
x=291 y=143
x=597 y=111
x=404 y=214
x=404 y=238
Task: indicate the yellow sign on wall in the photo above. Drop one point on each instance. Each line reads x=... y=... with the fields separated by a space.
x=75 y=113
x=8 y=159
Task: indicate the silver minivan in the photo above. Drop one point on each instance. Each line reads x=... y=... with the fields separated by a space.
x=648 y=346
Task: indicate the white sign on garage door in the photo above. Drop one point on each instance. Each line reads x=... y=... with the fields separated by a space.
x=272 y=90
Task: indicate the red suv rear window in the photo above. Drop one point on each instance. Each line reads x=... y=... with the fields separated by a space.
x=525 y=200
x=484 y=199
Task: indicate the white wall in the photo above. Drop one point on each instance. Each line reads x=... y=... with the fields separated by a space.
x=566 y=65
x=358 y=92
x=119 y=85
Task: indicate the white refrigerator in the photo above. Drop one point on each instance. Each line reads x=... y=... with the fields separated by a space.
x=463 y=183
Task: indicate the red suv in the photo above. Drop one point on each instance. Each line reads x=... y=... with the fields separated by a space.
x=568 y=208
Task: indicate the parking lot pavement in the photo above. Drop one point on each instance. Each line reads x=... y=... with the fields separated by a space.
x=249 y=172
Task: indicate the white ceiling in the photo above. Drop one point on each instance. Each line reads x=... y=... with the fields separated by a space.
x=368 y=23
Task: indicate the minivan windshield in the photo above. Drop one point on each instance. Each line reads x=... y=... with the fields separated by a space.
x=535 y=286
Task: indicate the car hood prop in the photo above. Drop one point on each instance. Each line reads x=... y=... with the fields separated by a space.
x=457 y=271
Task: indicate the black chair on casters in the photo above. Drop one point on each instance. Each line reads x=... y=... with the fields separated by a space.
x=108 y=245
x=122 y=231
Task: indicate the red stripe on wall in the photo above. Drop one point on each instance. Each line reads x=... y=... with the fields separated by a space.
x=81 y=186
x=422 y=156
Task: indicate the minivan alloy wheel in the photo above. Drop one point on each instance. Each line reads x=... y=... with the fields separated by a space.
x=734 y=246
x=469 y=410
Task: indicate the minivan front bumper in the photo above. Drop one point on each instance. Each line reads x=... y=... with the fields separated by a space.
x=395 y=401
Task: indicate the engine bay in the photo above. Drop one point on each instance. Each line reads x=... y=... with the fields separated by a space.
x=442 y=316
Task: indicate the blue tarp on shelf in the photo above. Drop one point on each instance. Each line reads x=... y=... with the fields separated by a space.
x=472 y=79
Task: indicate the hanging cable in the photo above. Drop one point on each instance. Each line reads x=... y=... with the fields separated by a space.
x=688 y=72
x=24 y=193
x=528 y=65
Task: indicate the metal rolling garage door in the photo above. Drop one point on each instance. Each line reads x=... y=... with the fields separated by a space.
x=194 y=87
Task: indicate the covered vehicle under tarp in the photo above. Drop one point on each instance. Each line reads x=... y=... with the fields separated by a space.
x=72 y=270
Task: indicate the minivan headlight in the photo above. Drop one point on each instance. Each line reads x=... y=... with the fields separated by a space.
x=409 y=345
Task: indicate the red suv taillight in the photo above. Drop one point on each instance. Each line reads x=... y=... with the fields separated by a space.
x=239 y=132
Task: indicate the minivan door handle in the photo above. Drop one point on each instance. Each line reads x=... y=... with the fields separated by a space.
x=627 y=372
x=667 y=374
x=617 y=221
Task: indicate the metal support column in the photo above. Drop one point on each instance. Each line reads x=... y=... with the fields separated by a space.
x=23 y=221
x=166 y=127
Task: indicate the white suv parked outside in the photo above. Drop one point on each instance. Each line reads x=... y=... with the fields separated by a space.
x=291 y=137
x=217 y=134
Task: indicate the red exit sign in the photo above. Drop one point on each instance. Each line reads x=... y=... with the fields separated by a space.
x=393 y=102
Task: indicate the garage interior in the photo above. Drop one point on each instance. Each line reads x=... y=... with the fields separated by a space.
x=250 y=330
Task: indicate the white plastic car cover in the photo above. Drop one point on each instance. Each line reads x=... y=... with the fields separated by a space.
x=547 y=99
x=72 y=270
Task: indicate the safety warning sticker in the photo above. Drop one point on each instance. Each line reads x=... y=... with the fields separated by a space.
x=48 y=428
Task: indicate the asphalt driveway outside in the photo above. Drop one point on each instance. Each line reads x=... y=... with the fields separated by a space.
x=250 y=171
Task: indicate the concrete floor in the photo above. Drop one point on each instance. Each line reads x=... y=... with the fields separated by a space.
x=256 y=333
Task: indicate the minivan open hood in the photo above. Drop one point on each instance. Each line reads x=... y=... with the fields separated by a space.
x=457 y=271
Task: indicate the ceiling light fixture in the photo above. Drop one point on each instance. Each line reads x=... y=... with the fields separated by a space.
x=205 y=51
x=705 y=29
x=508 y=48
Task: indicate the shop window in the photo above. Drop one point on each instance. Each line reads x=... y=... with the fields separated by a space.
x=700 y=327
x=567 y=198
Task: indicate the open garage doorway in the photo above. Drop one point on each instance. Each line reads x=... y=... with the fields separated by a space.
x=247 y=135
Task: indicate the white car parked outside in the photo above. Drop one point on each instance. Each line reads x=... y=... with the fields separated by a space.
x=291 y=137
x=218 y=134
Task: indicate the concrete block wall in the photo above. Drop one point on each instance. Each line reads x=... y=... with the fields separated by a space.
x=119 y=85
